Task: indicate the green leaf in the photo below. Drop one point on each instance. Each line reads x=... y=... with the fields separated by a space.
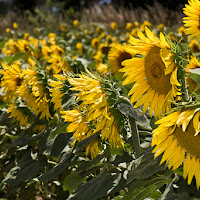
x=2 y=44
x=104 y=184
x=10 y=59
x=72 y=182
x=141 y=189
x=145 y=166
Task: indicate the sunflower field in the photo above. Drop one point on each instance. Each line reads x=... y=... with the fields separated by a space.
x=101 y=113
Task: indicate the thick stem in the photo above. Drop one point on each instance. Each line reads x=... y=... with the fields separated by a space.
x=183 y=84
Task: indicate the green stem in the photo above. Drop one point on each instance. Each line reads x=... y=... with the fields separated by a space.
x=135 y=135
x=183 y=84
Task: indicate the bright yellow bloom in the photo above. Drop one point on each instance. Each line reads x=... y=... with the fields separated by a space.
x=10 y=47
x=194 y=45
x=160 y=27
x=194 y=63
x=81 y=129
x=15 y=26
x=18 y=115
x=154 y=74
x=181 y=30
x=129 y=26
x=94 y=100
x=116 y=56
x=76 y=23
x=79 y=46
x=58 y=64
x=113 y=26
x=177 y=134
x=12 y=78
x=102 y=68
x=57 y=92
x=191 y=20
x=95 y=43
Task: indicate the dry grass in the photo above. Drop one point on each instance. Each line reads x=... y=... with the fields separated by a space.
x=156 y=14
x=104 y=14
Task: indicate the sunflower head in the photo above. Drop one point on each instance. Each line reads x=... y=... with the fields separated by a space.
x=116 y=56
x=191 y=21
x=153 y=73
x=177 y=137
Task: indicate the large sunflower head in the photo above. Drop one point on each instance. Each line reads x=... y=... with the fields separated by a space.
x=178 y=137
x=153 y=73
x=192 y=22
x=116 y=56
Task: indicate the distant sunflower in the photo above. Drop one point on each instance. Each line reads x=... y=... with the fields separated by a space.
x=192 y=22
x=177 y=134
x=154 y=74
x=194 y=63
x=116 y=56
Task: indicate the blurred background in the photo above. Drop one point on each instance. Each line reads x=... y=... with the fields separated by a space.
x=167 y=12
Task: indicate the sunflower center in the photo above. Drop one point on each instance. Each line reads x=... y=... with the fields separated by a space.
x=155 y=72
x=18 y=81
x=187 y=140
x=123 y=56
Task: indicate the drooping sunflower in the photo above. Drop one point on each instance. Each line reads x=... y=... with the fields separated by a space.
x=12 y=78
x=191 y=21
x=154 y=74
x=81 y=129
x=116 y=56
x=178 y=137
x=95 y=108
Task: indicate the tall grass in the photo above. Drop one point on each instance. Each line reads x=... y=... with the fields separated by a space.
x=104 y=14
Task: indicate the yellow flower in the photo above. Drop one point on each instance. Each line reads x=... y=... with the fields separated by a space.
x=194 y=63
x=57 y=92
x=10 y=47
x=76 y=23
x=136 y=24
x=102 y=68
x=154 y=74
x=94 y=101
x=33 y=93
x=15 y=26
x=194 y=45
x=181 y=30
x=179 y=133
x=58 y=64
x=116 y=56
x=12 y=78
x=145 y=24
x=18 y=115
x=81 y=129
x=113 y=26
x=95 y=43
x=191 y=20
x=26 y=35
x=129 y=26
x=8 y=31
x=63 y=27
x=79 y=46
x=160 y=27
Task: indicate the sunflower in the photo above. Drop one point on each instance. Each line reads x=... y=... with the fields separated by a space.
x=116 y=56
x=56 y=91
x=12 y=78
x=81 y=129
x=191 y=21
x=194 y=63
x=154 y=73
x=96 y=108
x=178 y=137
x=17 y=113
